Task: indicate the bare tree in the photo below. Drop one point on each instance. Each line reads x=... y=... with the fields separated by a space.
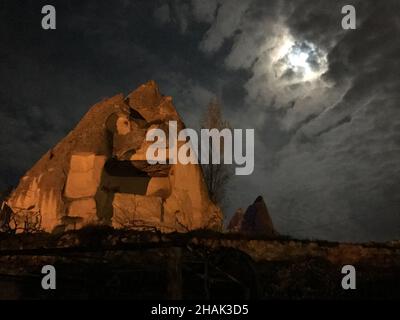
x=216 y=175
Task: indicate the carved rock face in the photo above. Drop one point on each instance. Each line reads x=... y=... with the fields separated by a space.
x=84 y=175
x=99 y=174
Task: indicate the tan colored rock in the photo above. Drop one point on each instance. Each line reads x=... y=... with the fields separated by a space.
x=38 y=203
x=128 y=135
x=85 y=209
x=51 y=203
x=123 y=125
x=139 y=158
x=189 y=204
x=100 y=169
x=148 y=101
x=159 y=187
x=140 y=154
x=84 y=175
x=167 y=110
x=135 y=210
x=50 y=172
x=30 y=198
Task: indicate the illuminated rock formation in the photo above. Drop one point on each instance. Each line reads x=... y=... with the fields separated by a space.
x=99 y=174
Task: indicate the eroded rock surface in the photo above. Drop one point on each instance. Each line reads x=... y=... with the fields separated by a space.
x=99 y=174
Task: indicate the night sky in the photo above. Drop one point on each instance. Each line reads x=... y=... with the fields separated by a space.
x=324 y=102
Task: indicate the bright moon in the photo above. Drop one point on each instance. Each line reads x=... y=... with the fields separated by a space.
x=298 y=59
x=303 y=60
x=298 y=62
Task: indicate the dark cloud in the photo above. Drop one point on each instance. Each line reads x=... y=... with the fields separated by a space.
x=327 y=148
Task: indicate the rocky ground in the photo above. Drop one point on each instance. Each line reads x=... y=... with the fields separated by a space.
x=107 y=263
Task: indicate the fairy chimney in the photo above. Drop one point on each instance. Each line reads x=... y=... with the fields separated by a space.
x=99 y=174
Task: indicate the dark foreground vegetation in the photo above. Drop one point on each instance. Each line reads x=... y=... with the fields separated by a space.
x=106 y=263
